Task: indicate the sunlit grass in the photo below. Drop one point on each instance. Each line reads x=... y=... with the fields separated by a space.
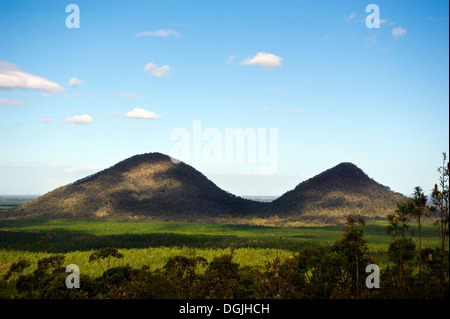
x=145 y=243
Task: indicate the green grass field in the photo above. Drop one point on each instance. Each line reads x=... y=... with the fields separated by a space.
x=152 y=243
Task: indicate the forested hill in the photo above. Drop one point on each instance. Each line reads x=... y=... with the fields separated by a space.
x=143 y=185
x=339 y=191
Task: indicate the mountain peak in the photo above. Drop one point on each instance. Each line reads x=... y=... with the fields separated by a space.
x=128 y=164
x=338 y=191
x=341 y=175
x=147 y=185
x=346 y=164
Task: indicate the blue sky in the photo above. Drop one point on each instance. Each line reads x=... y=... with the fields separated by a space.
x=74 y=101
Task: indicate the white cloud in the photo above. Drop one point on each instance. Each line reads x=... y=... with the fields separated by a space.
x=398 y=32
x=79 y=119
x=12 y=77
x=10 y=102
x=264 y=60
x=47 y=119
x=75 y=82
x=139 y=113
x=164 y=33
x=156 y=70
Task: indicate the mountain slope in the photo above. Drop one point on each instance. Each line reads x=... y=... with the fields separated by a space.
x=337 y=192
x=143 y=185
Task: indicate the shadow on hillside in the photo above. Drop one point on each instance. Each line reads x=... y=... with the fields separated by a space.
x=63 y=241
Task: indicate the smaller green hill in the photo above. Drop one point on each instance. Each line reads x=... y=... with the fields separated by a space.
x=335 y=193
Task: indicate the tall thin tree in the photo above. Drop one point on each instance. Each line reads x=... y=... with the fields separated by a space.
x=418 y=211
x=399 y=228
x=440 y=209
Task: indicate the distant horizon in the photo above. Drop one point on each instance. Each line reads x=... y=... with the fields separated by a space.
x=239 y=195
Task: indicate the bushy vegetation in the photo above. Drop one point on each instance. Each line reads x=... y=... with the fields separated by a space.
x=314 y=271
x=185 y=260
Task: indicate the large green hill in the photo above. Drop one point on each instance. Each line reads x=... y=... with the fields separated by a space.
x=148 y=185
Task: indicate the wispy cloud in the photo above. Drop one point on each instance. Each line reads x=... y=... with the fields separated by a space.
x=230 y=59
x=76 y=95
x=12 y=77
x=436 y=19
x=10 y=102
x=351 y=16
x=264 y=60
x=293 y=111
x=157 y=71
x=164 y=33
x=398 y=32
x=46 y=119
x=74 y=82
x=88 y=168
x=371 y=38
x=58 y=166
x=84 y=119
x=51 y=165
